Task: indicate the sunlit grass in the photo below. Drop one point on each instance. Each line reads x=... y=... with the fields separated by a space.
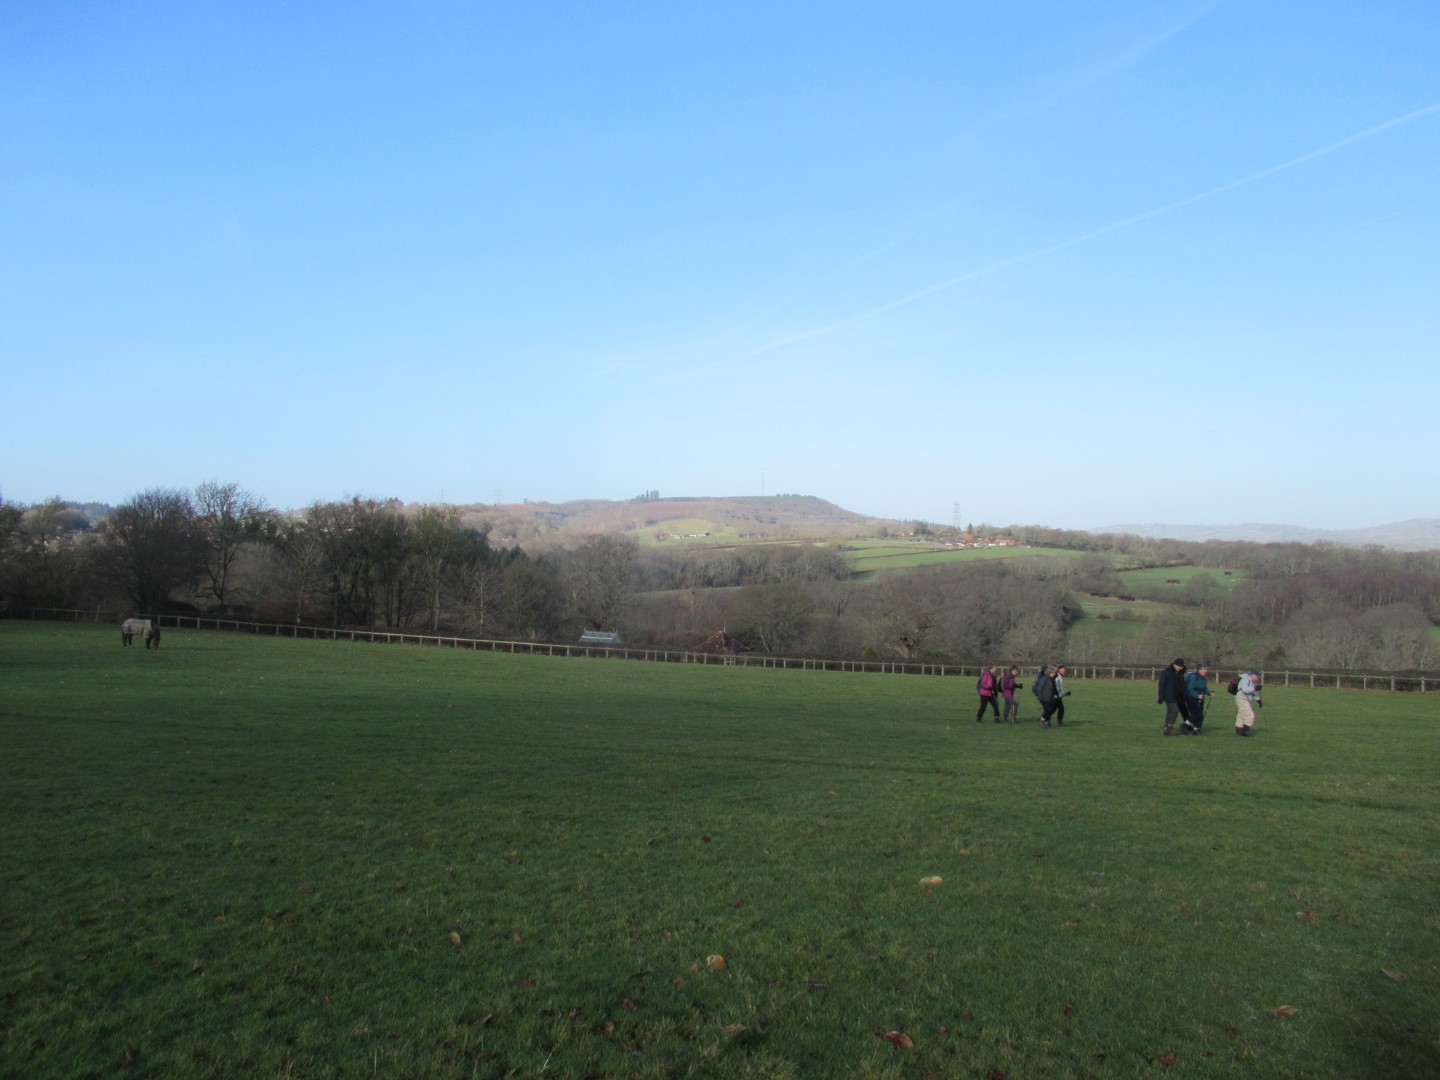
x=245 y=856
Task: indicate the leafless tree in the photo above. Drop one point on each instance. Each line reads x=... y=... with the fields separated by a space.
x=150 y=547
x=228 y=517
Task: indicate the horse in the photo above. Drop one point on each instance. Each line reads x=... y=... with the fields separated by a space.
x=146 y=628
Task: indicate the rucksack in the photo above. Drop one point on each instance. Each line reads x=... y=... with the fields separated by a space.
x=1233 y=686
x=1039 y=678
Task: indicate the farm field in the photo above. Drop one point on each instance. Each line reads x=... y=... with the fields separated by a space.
x=256 y=856
x=1160 y=576
x=867 y=560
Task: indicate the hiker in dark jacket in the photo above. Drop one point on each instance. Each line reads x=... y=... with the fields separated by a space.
x=1197 y=692
x=1049 y=696
x=1172 y=694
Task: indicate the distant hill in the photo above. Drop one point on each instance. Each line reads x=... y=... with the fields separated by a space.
x=1417 y=534
x=778 y=517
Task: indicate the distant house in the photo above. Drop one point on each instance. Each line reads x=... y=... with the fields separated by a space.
x=600 y=637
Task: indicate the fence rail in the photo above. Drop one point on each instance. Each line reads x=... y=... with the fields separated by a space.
x=1397 y=683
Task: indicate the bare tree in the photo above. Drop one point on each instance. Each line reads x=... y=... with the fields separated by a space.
x=434 y=539
x=228 y=518
x=903 y=609
x=151 y=547
x=773 y=616
x=601 y=572
x=301 y=552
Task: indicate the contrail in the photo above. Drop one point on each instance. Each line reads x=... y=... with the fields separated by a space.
x=1083 y=238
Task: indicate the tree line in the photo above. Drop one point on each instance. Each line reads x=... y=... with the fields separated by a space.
x=370 y=562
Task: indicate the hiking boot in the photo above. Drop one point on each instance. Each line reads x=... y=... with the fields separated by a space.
x=1169 y=729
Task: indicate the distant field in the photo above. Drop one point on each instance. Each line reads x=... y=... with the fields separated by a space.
x=1104 y=631
x=1161 y=576
x=868 y=559
x=691 y=531
x=246 y=856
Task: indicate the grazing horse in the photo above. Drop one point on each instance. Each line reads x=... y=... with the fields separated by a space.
x=146 y=628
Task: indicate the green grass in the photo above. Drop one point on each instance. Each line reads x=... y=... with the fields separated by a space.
x=246 y=856
x=866 y=560
x=1159 y=577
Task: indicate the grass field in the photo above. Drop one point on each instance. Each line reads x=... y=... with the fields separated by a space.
x=244 y=856
x=1158 y=577
x=867 y=559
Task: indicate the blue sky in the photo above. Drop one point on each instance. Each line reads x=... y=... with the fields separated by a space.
x=1069 y=264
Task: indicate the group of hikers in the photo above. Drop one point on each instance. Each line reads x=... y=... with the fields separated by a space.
x=995 y=687
x=1186 y=693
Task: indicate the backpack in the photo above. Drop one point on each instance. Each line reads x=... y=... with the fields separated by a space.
x=1233 y=686
x=1039 y=678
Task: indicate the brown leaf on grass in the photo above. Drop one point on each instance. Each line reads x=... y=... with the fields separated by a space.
x=1068 y=1009
x=1071 y=924
x=1166 y=1059
x=455 y=938
x=897 y=1039
x=1284 y=1011
x=1306 y=914
x=1392 y=974
x=997 y=1074
x=734 y=1029
x=527 y=984
x=307 y=889
x=715 y=960
x=628 y=1005
x=679 y=980
x=963 y=851
x=932 y=881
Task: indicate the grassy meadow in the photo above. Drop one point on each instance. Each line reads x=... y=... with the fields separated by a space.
x=1158 y=577
x=245 y=856
x=868 y=558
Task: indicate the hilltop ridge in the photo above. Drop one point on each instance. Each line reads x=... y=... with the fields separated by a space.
x=650 y=517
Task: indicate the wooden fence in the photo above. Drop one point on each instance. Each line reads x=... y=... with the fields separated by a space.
x=1399 y=683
